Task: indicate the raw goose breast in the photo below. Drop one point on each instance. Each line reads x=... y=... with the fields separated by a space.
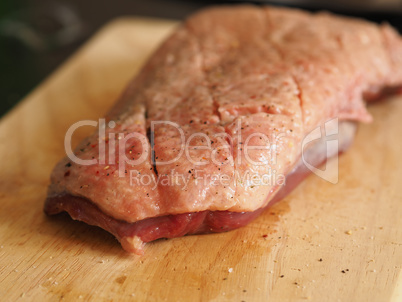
x=211 y=131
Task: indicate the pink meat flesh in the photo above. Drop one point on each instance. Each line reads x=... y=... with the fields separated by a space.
x=228 y=78
x=171 y=226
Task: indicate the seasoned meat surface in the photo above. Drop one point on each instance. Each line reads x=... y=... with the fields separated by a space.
x=232 y=93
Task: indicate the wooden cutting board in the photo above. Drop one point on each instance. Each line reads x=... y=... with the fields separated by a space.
x=324 y=242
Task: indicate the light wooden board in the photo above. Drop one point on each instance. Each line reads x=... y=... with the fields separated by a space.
x=54 y=259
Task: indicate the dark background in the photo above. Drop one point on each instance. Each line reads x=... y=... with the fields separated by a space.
x=36 y=36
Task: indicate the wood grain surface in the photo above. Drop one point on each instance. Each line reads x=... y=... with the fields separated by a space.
x=324 y=242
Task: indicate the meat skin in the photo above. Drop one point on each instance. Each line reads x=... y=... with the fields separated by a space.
x=133 y=235
x=232 y=70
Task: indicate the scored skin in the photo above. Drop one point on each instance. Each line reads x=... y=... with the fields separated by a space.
x=226 y=65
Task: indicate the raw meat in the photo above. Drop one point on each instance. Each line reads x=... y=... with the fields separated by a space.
x=229 y=79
